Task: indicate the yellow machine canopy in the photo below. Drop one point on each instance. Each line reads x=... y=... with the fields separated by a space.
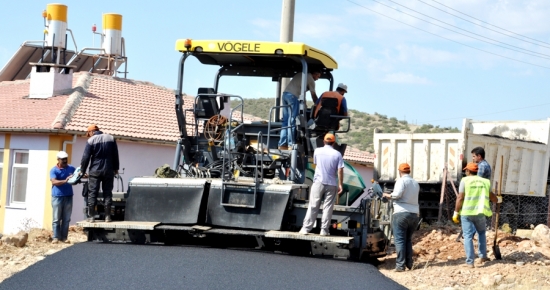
x=257 y=58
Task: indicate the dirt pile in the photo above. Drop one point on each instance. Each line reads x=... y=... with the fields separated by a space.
x=439 y=260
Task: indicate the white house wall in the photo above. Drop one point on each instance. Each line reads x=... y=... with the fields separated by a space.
x=137 y=159
x=367 y=173
x=19 y=216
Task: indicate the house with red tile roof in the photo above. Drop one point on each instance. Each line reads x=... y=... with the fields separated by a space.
x=363 y=162
x=32 y=130
x=140 y=115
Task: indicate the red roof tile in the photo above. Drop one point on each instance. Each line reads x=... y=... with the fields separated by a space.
x=356 y=155
x=17 y=111
x=128 y=108
x=122 y=107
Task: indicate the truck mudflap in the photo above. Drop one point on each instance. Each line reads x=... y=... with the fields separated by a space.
x=240 y=205
x=167 y=200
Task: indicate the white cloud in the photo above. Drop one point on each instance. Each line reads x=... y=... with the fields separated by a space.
x=263 y=23
x=522 y=17
x=319 y=26
x=350 y=56
x=376 y=66
x=266 y=28
x=423 y=55
x=405 y=78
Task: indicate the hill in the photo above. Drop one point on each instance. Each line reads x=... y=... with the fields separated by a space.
x=363 y=124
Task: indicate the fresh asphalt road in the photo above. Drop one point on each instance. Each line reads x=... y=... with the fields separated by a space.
x=100 y=266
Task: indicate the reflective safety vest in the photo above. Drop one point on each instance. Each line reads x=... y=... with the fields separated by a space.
x=329 y=95
x=476 y=197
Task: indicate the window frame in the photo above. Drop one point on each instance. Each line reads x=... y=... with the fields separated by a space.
x=12 y=168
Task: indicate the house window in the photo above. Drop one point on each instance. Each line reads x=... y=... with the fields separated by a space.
x=19 y=174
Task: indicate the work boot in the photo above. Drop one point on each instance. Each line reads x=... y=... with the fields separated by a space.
x=108 y=214
x=91 y=214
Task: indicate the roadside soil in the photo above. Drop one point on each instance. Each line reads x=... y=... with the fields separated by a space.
x=439 y=263
x=438 y=260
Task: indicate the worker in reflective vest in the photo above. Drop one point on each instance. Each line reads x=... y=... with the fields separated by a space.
x=342 y=107
x=472 y=204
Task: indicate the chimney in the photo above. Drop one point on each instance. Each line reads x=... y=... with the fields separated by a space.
x=48 y=80
x=51 y=79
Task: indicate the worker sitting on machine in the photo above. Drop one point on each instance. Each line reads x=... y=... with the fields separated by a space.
x=329 y=104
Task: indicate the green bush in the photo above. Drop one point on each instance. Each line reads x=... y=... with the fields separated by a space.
x=362 y=124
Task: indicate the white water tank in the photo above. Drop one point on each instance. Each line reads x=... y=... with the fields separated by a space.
x=112 y=34
x=56 y=22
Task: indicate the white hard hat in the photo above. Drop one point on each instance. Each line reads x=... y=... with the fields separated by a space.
x=62 y=154
x=343 y=87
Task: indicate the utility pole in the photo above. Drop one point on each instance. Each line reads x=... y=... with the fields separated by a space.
x=287 y=21
x=287 y=34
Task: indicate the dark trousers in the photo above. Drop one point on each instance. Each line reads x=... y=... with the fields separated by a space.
x=404 y=224
x=106 y=183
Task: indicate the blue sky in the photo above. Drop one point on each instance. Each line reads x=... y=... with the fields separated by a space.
x=434 y=76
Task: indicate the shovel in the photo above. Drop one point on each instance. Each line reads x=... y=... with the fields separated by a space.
x=496 y=249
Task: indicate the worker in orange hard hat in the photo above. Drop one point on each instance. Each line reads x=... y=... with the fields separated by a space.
x=405 y=216
x=101 y=154
x=91 y=129
x=472 y=207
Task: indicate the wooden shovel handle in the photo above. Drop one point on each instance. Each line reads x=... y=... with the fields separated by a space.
x=499 y=185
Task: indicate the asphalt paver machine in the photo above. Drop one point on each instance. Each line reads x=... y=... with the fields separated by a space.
x=231 y=184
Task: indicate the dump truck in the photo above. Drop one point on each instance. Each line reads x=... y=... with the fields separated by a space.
x=233 y=185
x=522 y=145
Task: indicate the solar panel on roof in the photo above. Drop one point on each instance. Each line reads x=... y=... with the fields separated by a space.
x=18 y=68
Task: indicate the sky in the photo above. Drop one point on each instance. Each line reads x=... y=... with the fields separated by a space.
x=423 y=61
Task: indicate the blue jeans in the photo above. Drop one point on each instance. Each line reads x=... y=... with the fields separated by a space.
x=470 y=225
x=404 y=224
x=62 y=210
x=289 y=119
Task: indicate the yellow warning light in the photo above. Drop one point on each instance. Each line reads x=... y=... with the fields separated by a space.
x=45 y=31
x=339 y=226
x=44 y=13
x=187 y=43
